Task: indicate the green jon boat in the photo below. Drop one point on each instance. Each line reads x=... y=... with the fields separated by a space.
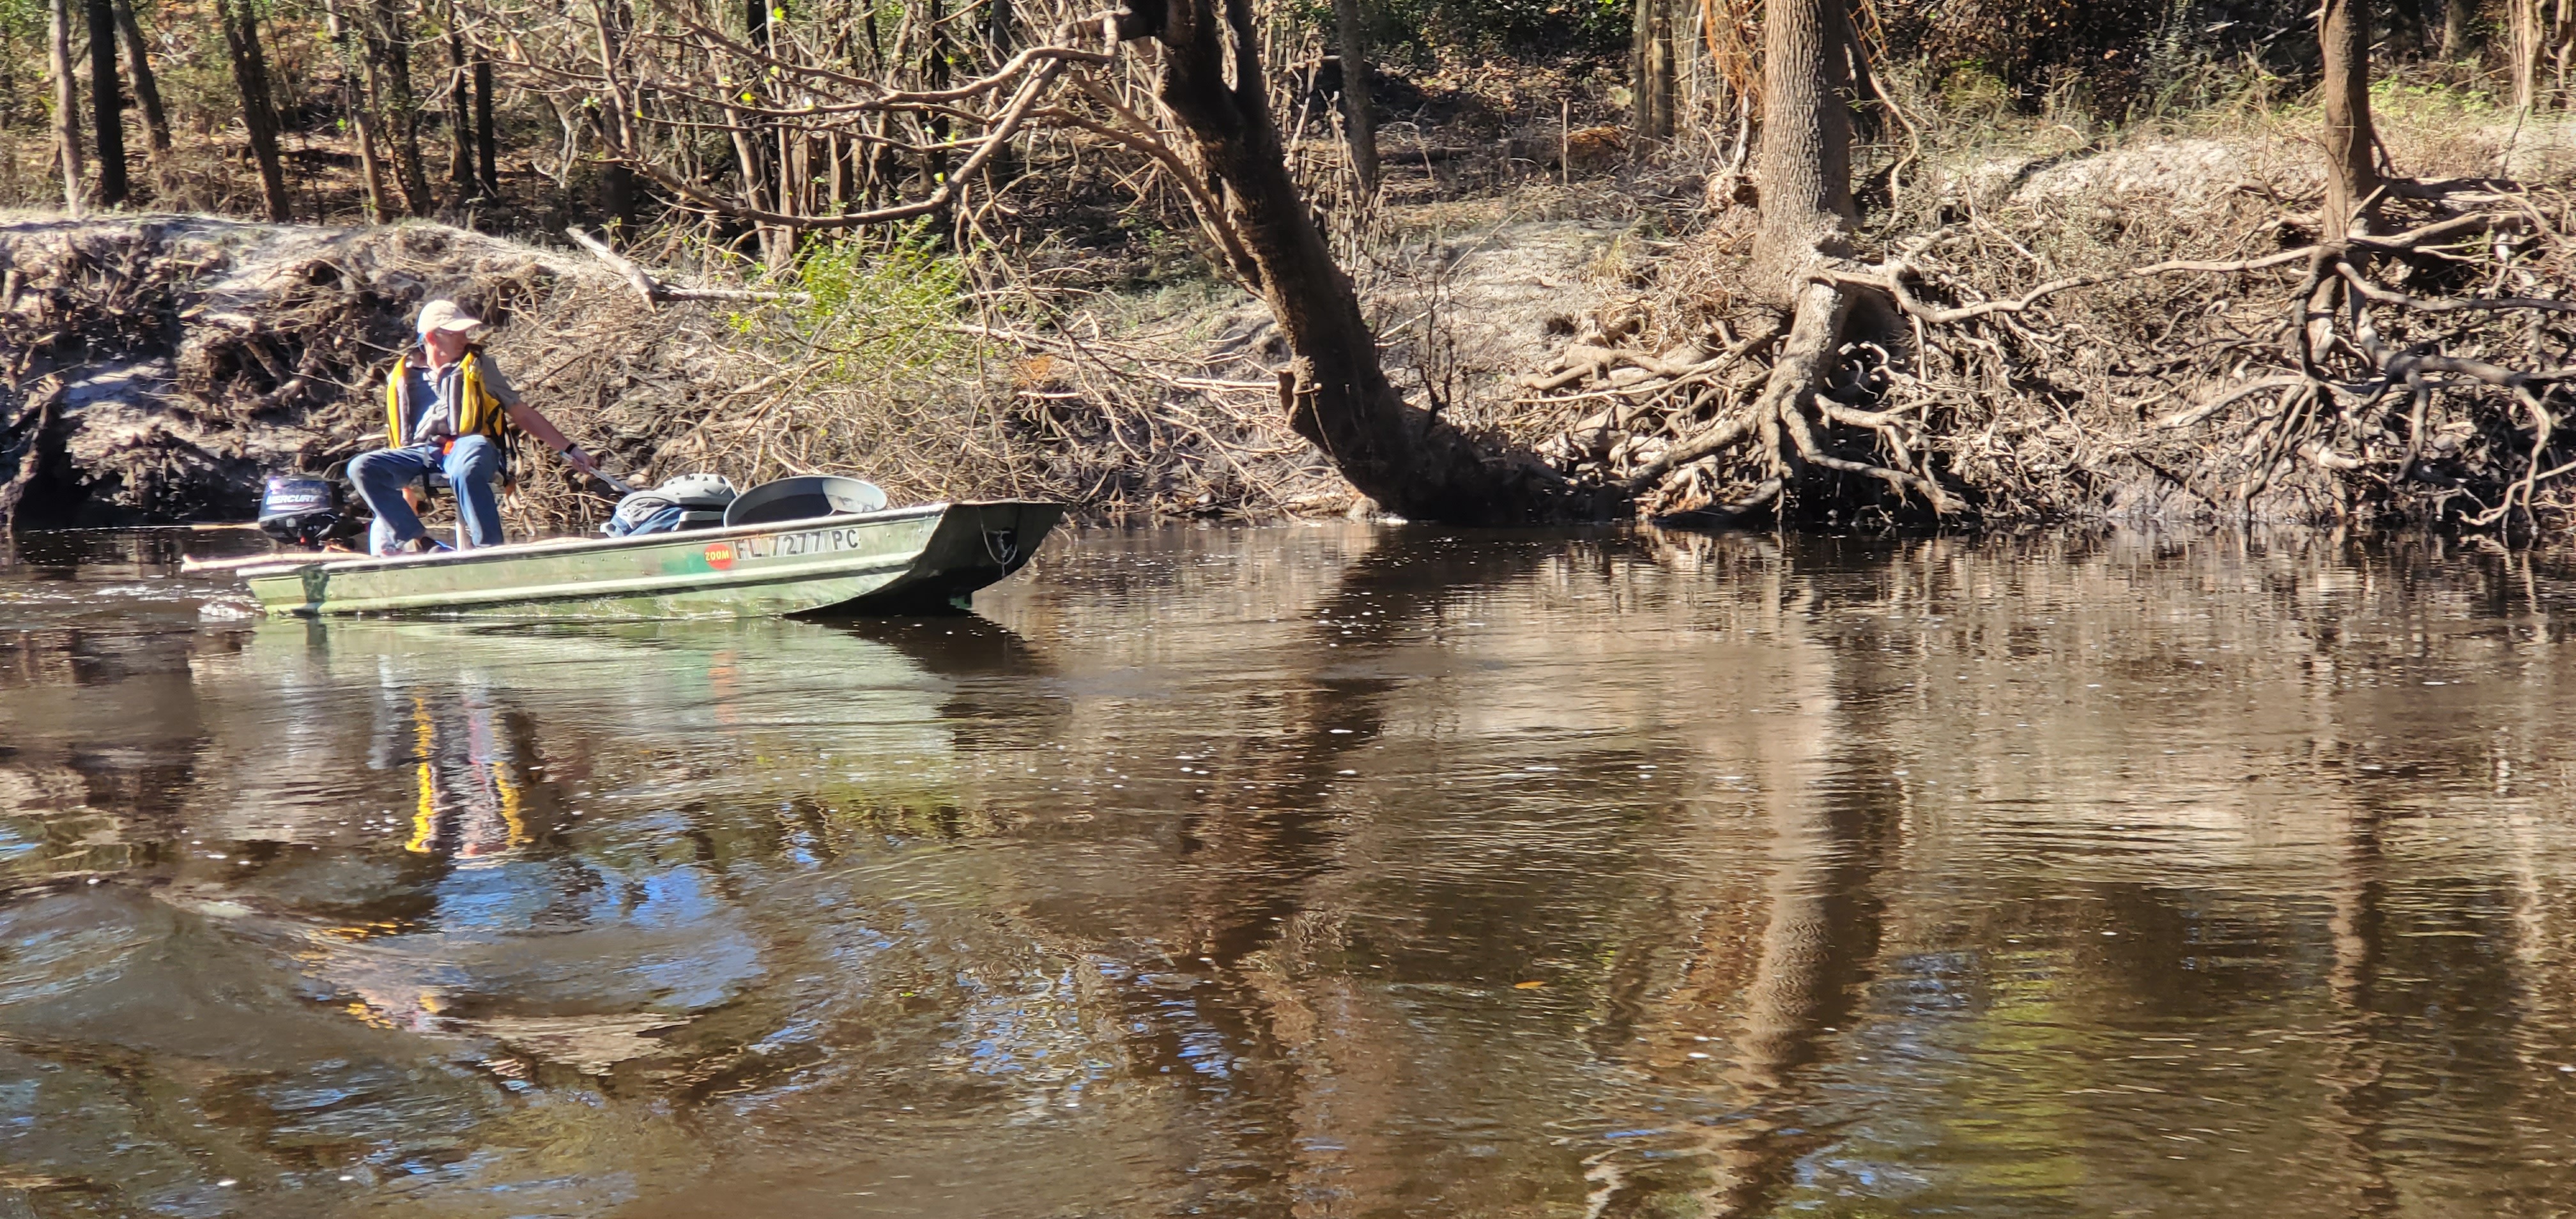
x=926 y=559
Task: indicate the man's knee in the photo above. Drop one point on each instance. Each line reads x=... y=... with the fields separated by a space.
x=473 y=457
x=373 y=466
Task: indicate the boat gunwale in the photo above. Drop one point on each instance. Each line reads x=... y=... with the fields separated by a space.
x=277 y=585
x=550 y=547
x=589 y=589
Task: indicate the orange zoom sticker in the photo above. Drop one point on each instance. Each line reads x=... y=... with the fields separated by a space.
x=720 y=556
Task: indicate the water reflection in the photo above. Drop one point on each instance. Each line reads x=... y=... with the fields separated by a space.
x=1319 y=871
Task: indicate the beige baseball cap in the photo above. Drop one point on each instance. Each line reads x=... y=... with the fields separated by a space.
x=443 y=314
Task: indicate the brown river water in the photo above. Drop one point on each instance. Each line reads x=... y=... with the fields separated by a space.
x=1312 y=871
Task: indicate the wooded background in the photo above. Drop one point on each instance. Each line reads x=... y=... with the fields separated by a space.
x=337 y=110
x=1856 y=345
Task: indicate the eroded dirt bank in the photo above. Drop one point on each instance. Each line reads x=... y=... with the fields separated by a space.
x=157 y=366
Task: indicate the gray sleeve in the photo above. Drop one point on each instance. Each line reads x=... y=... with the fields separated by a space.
x=498 y=383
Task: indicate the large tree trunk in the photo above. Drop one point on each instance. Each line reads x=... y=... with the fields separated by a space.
x=1809 y=54
x=1807 y=210
x=1359 y=114
x=259 y=113
x=107 y=104
x=1805 y=162
x=147 y=87
x=67 y=134
x=1335 y=390
x=2352 y=172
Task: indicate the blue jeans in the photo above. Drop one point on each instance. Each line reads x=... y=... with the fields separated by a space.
x=470 y=467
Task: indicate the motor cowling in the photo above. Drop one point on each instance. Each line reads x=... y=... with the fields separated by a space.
x=301 y=510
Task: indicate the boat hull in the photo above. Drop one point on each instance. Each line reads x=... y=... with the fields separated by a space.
x=906 y=560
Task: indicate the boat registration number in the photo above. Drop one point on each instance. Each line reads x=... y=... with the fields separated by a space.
x=786 y=545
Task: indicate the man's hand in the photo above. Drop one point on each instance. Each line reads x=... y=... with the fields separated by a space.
x=574 y=457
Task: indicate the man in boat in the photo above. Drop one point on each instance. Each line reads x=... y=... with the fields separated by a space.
x=448 y=410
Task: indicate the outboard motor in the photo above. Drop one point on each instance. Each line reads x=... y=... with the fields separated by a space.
x=302 y=510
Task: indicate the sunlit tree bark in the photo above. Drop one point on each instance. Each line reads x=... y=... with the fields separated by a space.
x=147 y=86
x=1335 y=389
x=1359 y=113
x=259 y=112
x=1652 y=68
x=356 y=101
x=2352 y=172
x=1805 y=159
x=67 y=135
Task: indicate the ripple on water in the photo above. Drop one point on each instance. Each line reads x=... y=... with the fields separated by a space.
x=1356 y=870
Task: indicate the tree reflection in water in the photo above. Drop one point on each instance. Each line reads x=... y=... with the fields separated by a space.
x=1317 y=871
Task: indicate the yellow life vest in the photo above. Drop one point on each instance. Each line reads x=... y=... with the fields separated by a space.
x=483 y=412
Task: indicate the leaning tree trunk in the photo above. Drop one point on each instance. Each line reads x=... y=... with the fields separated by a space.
x=67 y=135
x=1359 y=114
x=107 y=104
x=2352 y=175
x=259 y=112
x=147 y=87
x=1335 y=390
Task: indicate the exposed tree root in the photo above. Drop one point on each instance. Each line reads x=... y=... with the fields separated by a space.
x=2416 y=374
